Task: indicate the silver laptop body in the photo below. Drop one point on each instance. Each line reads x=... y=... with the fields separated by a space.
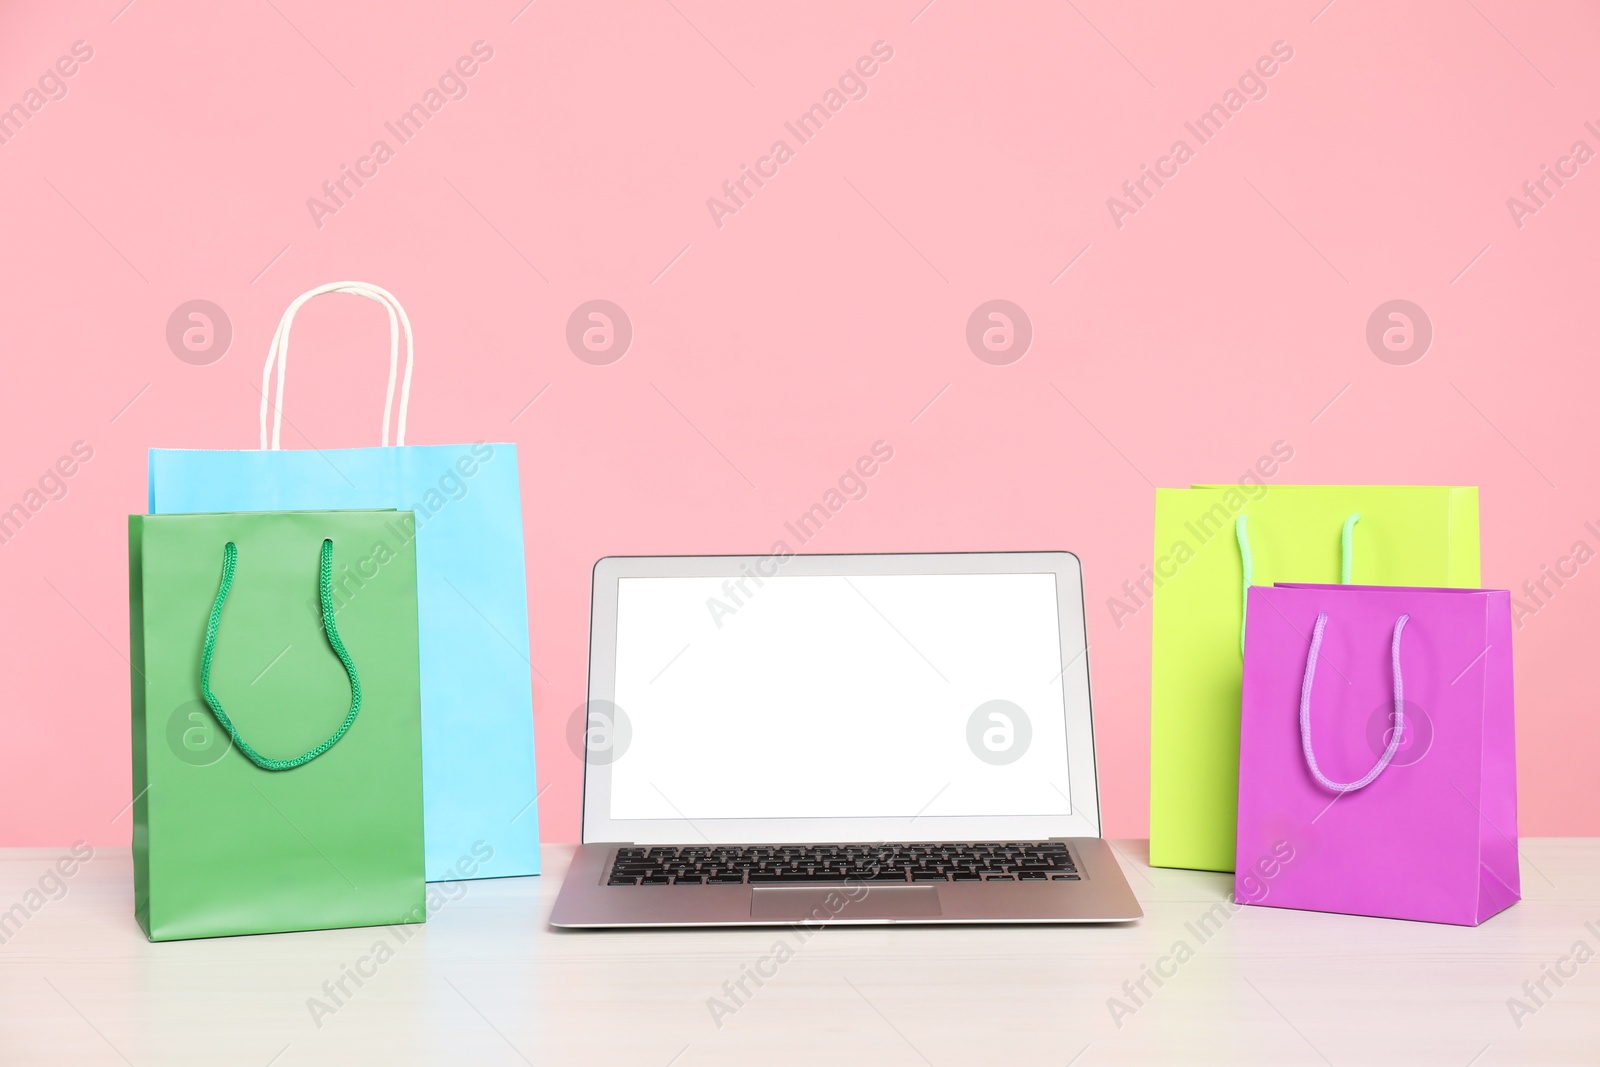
x=841 y=739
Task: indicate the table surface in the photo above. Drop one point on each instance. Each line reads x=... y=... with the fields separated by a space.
x=487 y=982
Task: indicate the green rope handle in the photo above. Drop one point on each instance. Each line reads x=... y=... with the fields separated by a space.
x=230 y=562
x=1346 y=545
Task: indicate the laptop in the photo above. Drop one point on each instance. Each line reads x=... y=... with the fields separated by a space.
x=840 y=739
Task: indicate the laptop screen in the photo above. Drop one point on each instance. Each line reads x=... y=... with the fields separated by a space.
x=831 y=696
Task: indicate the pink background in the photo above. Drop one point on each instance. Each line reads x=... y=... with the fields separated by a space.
x=828 y=313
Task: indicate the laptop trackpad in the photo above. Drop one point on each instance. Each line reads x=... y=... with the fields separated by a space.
x=822 y=904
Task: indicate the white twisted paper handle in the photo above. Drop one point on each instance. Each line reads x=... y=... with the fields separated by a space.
x=278 y=355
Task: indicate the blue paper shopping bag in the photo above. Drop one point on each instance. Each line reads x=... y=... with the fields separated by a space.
x=480 y=817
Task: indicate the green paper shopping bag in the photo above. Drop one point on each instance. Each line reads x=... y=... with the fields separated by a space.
x=277 y=751
x=1212 y=543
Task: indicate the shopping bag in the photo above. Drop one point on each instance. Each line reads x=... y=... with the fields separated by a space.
x=477 y=702
x=1211 y=544
x=1377 y=759
x=277 y=753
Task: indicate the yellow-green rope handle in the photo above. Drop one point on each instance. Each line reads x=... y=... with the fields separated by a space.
x=230 y=562
x=1346 y=539
x=1244 y=559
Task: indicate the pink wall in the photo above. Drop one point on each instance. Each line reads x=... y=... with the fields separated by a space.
x=1176 y=343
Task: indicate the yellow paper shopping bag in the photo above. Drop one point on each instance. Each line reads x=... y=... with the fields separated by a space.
x=1211 y=543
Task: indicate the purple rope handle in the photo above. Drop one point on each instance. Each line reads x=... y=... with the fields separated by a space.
x=1305 y=711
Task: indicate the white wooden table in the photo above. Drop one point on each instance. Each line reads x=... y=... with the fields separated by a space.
x=487 y=982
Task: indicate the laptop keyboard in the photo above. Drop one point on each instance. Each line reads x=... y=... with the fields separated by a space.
x=1014 y=861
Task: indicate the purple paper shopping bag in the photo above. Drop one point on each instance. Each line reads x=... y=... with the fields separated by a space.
x=1377 y=763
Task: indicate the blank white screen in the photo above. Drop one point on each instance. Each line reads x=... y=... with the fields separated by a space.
x=837 y=697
